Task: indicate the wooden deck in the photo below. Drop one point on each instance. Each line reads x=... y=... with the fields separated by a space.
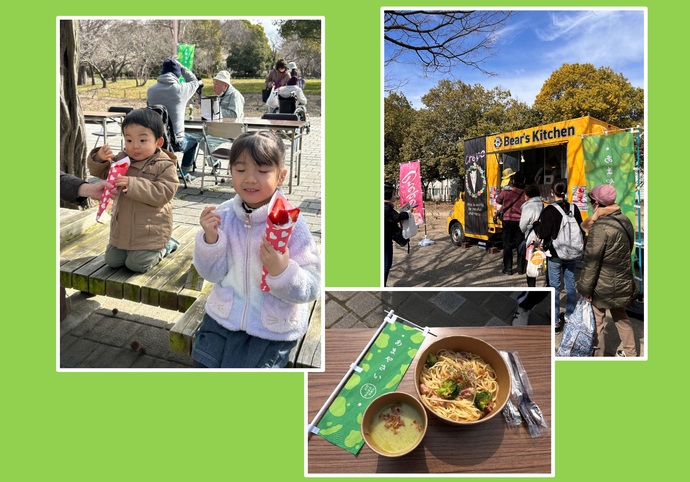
x=173 y=284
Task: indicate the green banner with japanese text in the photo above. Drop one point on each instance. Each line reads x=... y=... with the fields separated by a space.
x=380 y=371
x=185 y=54
x=610 y=159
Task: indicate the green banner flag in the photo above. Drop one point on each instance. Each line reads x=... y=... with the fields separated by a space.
x=610 y=159
x=185 y=55
x=380 y=371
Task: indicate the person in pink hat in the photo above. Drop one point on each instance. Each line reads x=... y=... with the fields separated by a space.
x=607 y=278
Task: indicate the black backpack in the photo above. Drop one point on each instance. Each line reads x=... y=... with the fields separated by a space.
x=169 y=144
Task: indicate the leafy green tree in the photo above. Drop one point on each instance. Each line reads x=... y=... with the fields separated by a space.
x=398 y=117
x=456 y=111
x=206 y=36
x=302 y=44
x=576 y=90
x=307 y=30
x=249 y=52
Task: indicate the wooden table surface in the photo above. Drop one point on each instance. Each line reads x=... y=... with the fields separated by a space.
x=487 y=448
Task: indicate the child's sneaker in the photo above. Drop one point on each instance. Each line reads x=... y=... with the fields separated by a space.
x=171 y=246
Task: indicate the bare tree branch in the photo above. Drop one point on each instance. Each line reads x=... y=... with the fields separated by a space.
x=440 y=40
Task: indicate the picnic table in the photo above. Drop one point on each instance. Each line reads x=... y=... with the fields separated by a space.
x=487 y=448
x=172 y=284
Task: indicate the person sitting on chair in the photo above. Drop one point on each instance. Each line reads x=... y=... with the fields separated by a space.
x=230 y=99
x=291 y=88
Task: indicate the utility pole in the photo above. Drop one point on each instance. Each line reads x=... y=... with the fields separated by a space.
x=174 y=38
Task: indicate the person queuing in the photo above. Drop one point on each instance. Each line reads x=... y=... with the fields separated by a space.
x=547 y=229
x=174 y=95
x=391 y=219
x=511 y=199
x=530 y=213
x=607 y=278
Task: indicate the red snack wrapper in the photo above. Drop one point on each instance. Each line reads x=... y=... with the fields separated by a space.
x=117 y=169
x=279 y=224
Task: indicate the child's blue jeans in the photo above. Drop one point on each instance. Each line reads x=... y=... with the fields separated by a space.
x=217 y=347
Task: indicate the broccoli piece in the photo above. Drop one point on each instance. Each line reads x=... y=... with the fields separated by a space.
x=431 y=360
x=448 y=390
x=482 y=400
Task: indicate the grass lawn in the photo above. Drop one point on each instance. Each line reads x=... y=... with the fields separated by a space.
x=126 y=89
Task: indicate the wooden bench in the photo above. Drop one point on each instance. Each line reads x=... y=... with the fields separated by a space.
x=306 y=354
x=172 y=284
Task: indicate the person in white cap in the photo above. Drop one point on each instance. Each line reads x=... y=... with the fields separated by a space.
x=230 y=99
x=295 y=72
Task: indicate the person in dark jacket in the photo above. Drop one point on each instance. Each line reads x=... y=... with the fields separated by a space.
x=547 y=229
x=607 y=278
x=391 y=218
x=511 y=198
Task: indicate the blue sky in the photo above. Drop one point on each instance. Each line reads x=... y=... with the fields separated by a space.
x=534 y=43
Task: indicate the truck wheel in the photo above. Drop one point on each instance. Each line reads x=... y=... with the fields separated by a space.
x=457 y=235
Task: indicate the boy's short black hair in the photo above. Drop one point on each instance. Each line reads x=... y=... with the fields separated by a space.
x=145 y=118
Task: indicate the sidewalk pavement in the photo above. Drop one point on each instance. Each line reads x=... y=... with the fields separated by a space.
x=101 y=332
x=366 y=309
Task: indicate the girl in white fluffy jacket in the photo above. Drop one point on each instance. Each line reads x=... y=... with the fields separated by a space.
x=244 y=326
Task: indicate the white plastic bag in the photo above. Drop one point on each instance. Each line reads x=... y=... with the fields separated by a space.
x=535 y=261
x=272 y=100
x=578 y=333
x=409 y=227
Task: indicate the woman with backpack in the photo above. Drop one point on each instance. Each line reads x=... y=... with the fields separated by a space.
x=607 y=278
x=561 y=265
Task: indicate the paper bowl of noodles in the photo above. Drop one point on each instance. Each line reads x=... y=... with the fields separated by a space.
x=394 y=424
x=462 y=380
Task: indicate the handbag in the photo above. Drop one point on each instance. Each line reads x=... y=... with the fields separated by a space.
x=578 y=333
x=265 y=93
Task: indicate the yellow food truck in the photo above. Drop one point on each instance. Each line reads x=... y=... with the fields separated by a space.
x=584 y=151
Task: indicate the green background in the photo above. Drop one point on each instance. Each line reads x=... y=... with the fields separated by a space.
x=613 y=420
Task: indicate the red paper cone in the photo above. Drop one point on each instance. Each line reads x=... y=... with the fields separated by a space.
x=279 y=225
x=117 y=169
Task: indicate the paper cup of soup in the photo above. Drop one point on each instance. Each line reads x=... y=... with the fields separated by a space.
x=394 y=424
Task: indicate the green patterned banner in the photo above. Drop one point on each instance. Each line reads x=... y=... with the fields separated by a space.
x=610 y=159
x=185 y=55
x=382 y=369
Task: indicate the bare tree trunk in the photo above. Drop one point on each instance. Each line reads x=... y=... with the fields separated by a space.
x=72 y=128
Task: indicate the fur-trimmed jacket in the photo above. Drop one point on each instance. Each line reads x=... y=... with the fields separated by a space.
x=236 y=301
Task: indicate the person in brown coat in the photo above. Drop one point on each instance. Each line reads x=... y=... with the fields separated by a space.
x=279 y=76
x=141 y=223
x=607 y=278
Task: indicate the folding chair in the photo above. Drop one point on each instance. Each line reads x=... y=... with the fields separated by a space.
x=112 y=133
x=213 y=134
